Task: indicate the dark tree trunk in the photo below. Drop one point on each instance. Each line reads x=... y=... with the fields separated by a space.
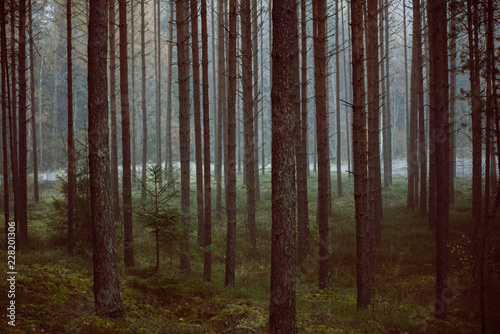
x=383 y=92
x=71 y=136
x=132 y=99
x=128 y=226
x=284 y=100
x=246 y=54
x=263 y=142
x=374 y=177
x=36 y=195
x=359 y=147
x=476 y=111
x=220 y=106
x=407 y=109
x=422 y=157
x=169 y=163
x=231 y=157
x=106 y=289
x=432 y=150
x=255 y=59
x=453 y=89
x=157 y=10
x=438 y=63
x=207 y=229
x=302 y=199
x=416 y=75
x=5 y=160
x=346 y=67
x=337 y=108
x=490 y=211
x=13 y=116
x=197 y=121
x=22 y=185
x=112 y=98
x=143 y=102
x=319 y=33
x=387 y=134
x=181 y=7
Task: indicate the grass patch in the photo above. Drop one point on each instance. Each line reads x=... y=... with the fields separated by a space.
x=54 y=291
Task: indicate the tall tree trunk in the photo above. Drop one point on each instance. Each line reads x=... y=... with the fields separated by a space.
x=158 y=84
x=112 y=98
x=207 y=229
x=302 y=199
x=125 y=110
x=220 y=106
x=337 y=107
x=214 y=89
x=432 y=149
x=106 y=289
x=13 y=115
x=36 y=195
x=284 y=101
x=246 y=54
x=407 y=109
x=5 y=159
x=387 y=133
x=197 y=121
x=347 y=66
x=383 y=88
x=473 y=27
x=133 y=111
x=319 y=33
x=422 y=157
x=359 y=147
x=231 y=157
x=168 y=162
x=143 y=102
x=438 y=62
x=416 y=74
x=22 y=185
x=263 y=142
x=71 y=136
x=374 y=177
x=453 y=88
x=256 y=96
x=181 y=7
x=489 y=211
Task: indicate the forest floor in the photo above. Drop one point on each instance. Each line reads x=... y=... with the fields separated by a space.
x=54 y=290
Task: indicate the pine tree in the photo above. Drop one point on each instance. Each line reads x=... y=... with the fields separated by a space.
x=106 y=289
x=284 y=99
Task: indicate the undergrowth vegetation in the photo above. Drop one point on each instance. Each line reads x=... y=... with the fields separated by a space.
x=54 y=291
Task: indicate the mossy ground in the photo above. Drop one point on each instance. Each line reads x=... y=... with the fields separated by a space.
x=54 y=290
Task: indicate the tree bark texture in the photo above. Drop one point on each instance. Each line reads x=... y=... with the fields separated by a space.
x=112 y=99
x=374 y=176
x=231 y=156
x=197 y=120
x=128 y=225
x=36 y=195
x=181 y=7
x=246 y=54
x=71 y=139
x=106 y=289
x=285 y=49
x=207 y=229
x=438 y=63
x=319 y=33
x=302 y=198
x=143 y=102
x=3 y=39
x=23 y=183
x=359 y=146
